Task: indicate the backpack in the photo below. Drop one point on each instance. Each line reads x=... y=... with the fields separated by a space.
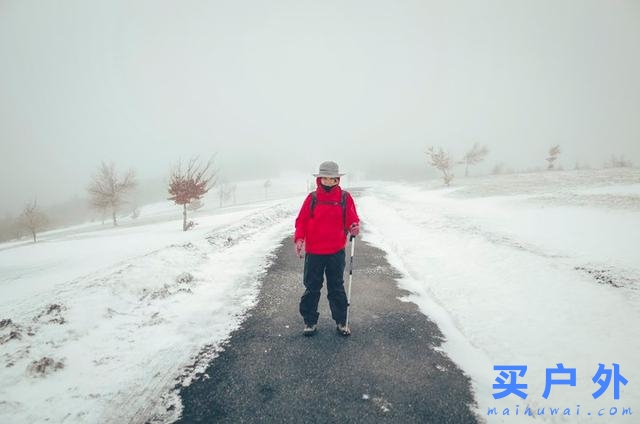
x=343 y=203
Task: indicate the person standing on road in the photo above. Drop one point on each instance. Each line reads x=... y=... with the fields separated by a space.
x=327 y=216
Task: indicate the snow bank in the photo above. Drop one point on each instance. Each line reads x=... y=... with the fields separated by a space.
x=101 y=326
x=516 y=281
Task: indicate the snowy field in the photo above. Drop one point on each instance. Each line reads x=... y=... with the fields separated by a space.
x=530 y=269
x=98 y=324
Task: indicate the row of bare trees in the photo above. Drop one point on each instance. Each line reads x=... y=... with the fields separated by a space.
x=444 y=162
x=187 y=184
x=108 y=192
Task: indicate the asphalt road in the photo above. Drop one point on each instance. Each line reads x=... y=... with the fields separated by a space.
x=386 y=371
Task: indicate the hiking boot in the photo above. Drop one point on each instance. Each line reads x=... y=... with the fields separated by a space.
x=309 y=330
x=343 y=330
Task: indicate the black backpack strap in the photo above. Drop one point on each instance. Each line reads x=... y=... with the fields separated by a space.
x=314 y=198
x=344 y=210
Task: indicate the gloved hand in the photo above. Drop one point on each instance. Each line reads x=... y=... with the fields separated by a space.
x=354 y=230
x=299 y=245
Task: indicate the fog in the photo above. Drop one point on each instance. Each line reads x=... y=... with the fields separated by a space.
x=273 y=87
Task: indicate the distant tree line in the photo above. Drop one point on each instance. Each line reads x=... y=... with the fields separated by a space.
x=109 y=192
x=444 y=162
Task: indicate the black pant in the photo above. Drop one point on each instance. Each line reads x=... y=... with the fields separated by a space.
x=333 y=267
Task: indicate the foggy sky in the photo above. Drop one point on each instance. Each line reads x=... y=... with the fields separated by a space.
x=280 y=85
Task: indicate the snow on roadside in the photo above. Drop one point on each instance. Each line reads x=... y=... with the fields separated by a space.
x=107 y=343
x=505 y=295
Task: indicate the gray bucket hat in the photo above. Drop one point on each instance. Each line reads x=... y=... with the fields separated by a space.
x=328 y=169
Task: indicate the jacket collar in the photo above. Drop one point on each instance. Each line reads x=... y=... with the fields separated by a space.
x=334 y=194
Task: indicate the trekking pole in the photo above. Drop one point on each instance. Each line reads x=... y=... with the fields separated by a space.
x=352 y=239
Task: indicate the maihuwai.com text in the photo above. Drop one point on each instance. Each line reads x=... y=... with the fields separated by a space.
x=517 y=410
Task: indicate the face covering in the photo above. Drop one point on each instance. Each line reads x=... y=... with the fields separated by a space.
x=326 y=187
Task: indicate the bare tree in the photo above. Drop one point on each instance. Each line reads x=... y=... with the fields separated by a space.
x=473 y=157
x=267 y=185
x=554 y=152
x=135 y=213
x=32 y=219
x=224 y=193
x=107 y=190
x=187 y=185
x=441 y=161
x=232 y=191
x=103 y=212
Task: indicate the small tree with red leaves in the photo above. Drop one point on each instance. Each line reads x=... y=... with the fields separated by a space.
x=187 y=185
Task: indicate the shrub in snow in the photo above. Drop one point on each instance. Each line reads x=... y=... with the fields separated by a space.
x=184 y=278
x=54 y=311
x=44 y=366
x=11 y=336
x=620 y=162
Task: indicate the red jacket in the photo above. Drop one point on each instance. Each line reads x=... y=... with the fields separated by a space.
x=325 y=233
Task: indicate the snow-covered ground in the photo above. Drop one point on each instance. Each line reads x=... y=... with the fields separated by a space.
x=528 y=270
x=98 y=324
